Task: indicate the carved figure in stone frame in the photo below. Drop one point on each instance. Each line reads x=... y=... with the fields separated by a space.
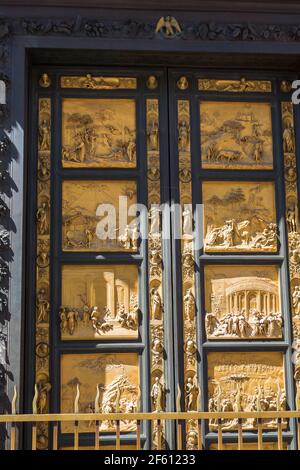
x=152 y=82
x=42 y=219
x=44 y=135
x=288 y=138
x=42 y=306
x=292 y=218
x=187 y=222
x=155 y=262
x=189 y=305
x=156 y=304
x=190 y=349
x=158 y=395
x=44 y=169
x=296 y=300
x=154 y=217
x=191 y=440
x=153 y=135
x=44 y=388
x=72 y=319
x=63 y=319
x=183 y=135
x=157 y=346
x=191 y=394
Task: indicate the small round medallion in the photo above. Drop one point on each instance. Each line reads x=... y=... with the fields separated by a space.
x=44 y=80
x=152 y=82
x=183 y=83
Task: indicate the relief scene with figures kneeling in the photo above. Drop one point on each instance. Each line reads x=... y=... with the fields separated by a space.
x=92 y=213
x=242 y=302
x=98 y=133
x=239 y=216
x=99 y=302
x=107 y=383
x=236 y=135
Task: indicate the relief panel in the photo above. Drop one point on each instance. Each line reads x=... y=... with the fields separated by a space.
x=84 y=228
x=239 y=216
x=99 y=302
x=98 y=133
x=114 y=376
x=246 y=381
x=236 y=135
x=98 y=83
x=242 y=302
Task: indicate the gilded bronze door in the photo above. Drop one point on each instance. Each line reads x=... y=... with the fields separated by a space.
x=165 y=235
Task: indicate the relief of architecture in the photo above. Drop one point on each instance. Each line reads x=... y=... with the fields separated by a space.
x=111 y=379
x=98 y=83
x=98 y=133
x=246 y=381
x=239 y=217
x=242 y=303
x=236 y=135
x=237 y=86
x=84 y=206
x=99 y=302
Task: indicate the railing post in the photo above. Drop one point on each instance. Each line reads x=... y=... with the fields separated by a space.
x=179 y=421
x=34 y=411
x=97 y=423
x=138 y=423
x=118 y=431
x=13 y=425
x=76 y=411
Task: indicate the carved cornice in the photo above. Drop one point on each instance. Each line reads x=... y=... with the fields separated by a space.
x=133 y=29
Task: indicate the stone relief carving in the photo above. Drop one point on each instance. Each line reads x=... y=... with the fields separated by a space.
x=246 y=381
x=242 y=307
x=98 y=83
x=240 y=217
x=158 y=391
x=237 y=86
x=168 y=26
x=98 y=133
x=236 y=135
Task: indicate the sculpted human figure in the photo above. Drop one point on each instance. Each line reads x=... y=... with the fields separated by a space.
x=42 y=306
x=189 y=305
x=131 y=150
x=72 y=318
x=183 y=135
x=292 y=219
x=63 y=319
x=44 y=131
x=156 y=304
x=153 y=134
x=157 y=395
x=288 y=139
x=154 y=217
x=191 y=395
x=296 y=300
x=187 y=225
x=42 y=219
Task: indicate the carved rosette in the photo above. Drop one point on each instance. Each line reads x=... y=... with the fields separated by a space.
x=42 y=367
x=293 y=228
x=155 y=260
x=191 y=386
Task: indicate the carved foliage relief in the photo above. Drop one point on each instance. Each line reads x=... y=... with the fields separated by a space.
x=236 y=135
x=42 y=369
x=246 y=381
x=116 y=378
x=83 y=226
x=99 y=302
x=98 y=133
x=242 y=303
x=239 y=216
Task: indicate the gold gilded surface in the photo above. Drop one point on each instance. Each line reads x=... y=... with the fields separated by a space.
x=99 y=302
x=117 y=377
x=242 y=302
x=236 y=135
x=98 y=83
x=42 y=300
x=98 y=133
x=82 y=211
x=237 y=86
x=246 y=381
x=239 y=216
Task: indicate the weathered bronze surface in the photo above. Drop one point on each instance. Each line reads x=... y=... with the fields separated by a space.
x=98 y=133
x=115 y=376
x=83 y=211
x=246 y=381
x=236 y=135
x=99 y=302
x=242 y=302
x=239 y=216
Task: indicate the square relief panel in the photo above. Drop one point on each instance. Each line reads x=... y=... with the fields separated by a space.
x=246 y=381
x=98 y=133
x=111 y=377
x=99 y=302
x=95 y=218
x=239 y=217
x=236 y=135
x=242 y=302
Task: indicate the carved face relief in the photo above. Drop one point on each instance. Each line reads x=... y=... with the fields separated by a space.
x=236 y=135
x=248 y=381
x=89 y=225
x=99 y=133
x=239 y=216
x=242 y=302
x=99 y=302
x=117 y=378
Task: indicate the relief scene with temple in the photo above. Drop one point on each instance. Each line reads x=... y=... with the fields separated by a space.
x=236 y=135
x=99 y=302
x=239 y=216
x=242 y=302
x=99 y=133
